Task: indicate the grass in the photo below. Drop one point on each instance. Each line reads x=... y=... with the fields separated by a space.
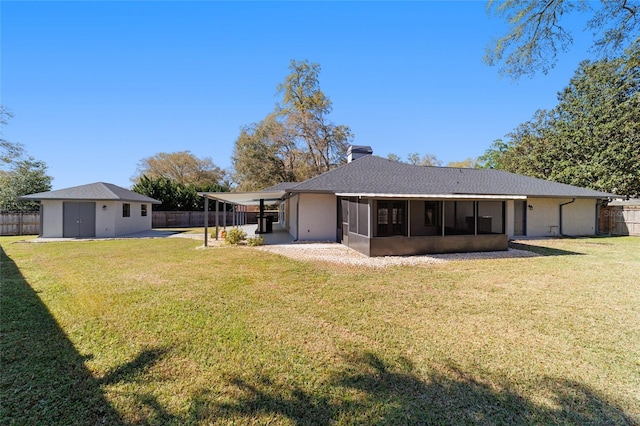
x=159 y=332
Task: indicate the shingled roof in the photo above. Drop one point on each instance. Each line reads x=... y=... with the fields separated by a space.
x=380 y=176
x=98 y=191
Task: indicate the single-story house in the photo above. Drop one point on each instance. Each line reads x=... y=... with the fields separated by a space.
x=382 y=207
x=97 y=210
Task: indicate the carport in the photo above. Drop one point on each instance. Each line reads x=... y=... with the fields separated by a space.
x=258 y=198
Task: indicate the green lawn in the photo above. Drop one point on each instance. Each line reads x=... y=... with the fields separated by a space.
x=162 y=332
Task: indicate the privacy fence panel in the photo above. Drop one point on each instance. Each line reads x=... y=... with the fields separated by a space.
x=626 y=221
x=19 y=223
x=164 y=219
x=29 y=223
x=620 y=220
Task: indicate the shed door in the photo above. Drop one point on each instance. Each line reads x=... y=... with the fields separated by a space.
x=79 y=220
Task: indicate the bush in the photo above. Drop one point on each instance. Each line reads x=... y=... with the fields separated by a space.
x=257 y=241
x=235 y=236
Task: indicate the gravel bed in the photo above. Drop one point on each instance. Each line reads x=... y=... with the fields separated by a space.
x=338 y=253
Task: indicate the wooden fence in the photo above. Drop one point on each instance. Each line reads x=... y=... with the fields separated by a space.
x=163 y=219
x=19 y=223
x=29 y=223
x=620 y=220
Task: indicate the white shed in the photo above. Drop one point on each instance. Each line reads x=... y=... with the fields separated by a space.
x=96 y=210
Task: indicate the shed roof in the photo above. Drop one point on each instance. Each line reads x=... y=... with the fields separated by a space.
x=98 y=191
x=380 y=176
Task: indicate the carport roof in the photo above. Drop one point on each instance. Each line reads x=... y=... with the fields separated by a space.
x=98 y=191
x=246 y=198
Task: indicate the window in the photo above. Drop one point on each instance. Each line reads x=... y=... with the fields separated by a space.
x=143 y=210
x=391 y=218
x=126 y=210
x=383 y=218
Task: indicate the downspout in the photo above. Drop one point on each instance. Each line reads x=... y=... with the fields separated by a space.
x=562 y=205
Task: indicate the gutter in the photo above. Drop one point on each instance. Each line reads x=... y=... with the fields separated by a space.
x=562 y=205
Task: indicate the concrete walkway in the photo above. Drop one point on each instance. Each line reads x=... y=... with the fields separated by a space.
x=278 y=236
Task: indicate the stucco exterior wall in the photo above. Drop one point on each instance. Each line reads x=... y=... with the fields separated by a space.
x=105 y=224
x=134 y=223
x=543 y=219
x=317 y=217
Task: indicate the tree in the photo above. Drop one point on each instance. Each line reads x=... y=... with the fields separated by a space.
x=394 y=157
x=263 y=157
x=9 y=151
x=591 y=138
x=19 y=174
x=493 y=156
x=304 y=110
x=182 y=167
x=426 y=160
x=176 y=196
x=296 y=141
x=467 y=163
x=27 y=176
x=536 y=33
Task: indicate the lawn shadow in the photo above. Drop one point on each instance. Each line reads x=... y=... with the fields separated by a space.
x=372 y=391
x=44 y=379
x=132 y=369
x=453 y=397
x=541 y=249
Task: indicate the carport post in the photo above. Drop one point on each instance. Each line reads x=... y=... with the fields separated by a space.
x=224 y=218
x=217 y=202
x=206 y=220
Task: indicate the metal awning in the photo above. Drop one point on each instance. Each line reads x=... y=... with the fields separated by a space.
x=245 y=198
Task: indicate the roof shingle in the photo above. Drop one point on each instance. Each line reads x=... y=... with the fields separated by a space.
x=98 y=191
x=376 y=175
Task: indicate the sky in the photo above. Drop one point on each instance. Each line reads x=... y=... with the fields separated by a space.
x=95 y=87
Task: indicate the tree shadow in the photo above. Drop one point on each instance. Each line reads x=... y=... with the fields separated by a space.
x=453 y=397
x=372 y=391
x=44 y=379
x=131 y=370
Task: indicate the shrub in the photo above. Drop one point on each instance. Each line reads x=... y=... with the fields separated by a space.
x=235 y=236
x=257 y=241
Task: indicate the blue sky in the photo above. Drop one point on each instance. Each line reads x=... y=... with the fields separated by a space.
x=97 y=86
